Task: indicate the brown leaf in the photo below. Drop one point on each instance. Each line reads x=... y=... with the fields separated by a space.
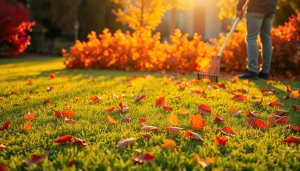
x=29 y=116
x=282 y=120
x=52 y=75
x=145 y=158
x=147 y=127
x=50 y=88
x=294 y=94
x=79 y=141
x=196 y=122
x=218 y=119
x=194 y=135
x=173 y=130
x=293 y=127
x=126 y=118
x=146 y=135
x=35 y=159
x=140 y=98
x=3 y=167
x=288 y=88
x=110 y=109
x=204 y=109
x=123 y=107
x=280 y=112
x=265 y=89
x=257 y=102
x=296 y=108
x=47 y=101
x=253 y=113
x=67 y=120
x=168 y=144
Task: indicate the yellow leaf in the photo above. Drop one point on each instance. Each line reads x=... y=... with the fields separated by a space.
x=109 y=120
x=295 y=94
x=204 y=163
x=183 y=111
x=168 y=144
x=173 y=120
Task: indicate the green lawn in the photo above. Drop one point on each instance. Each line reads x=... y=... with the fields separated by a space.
x=249 y=149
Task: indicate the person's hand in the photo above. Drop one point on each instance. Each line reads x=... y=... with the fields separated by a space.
x=239 y=14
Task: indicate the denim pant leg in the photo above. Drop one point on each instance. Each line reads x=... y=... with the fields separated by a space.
x=266 y=42
x=253 y=22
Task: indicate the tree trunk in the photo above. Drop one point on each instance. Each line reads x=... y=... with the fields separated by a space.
x=173 y=21
x=142 y=14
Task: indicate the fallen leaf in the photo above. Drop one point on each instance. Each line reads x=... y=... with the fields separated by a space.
x=256 y=123
x=183 y=111
x=5 y=125
x=140 y=98
x=264 y=89
x=109 y=120
x=35 y=159
x=282 y=120
x=173 y=130
x=192 y=91
x=197 y=122
x=146 y=135
x=147 y=127
x=2 y=146
x=194 y=135
x=166 y=107
x=123 y=107
x=296 y=108
x=240 y=98
x=67 y=120
x=292 y=139
x=126 y=118
x=204 y=163
x=142 y=120
x=29 y=116
x=47 y=101
x=218 y=119
x=67 y=113
x=257 y=102
x=271 y=121
x=52 y=75
x=221 y=141
x=253 y=113
x=295 y=94
x=63 y=139
x=3 y=167
x=26 y=126
x=280 y=112
x=275 y=103
x=71 y=162
x=161 y=101
x=168 y=144
x=234 y=111
x=293 y=127
x=96 y=99
x=227 y=131
x=50 y=88
x=110 y=109
x=206 y=80
x=27 y=98
x=204 y=109
x=15 y=92
x=57 y=114
x=173 y=120
x=145 y=158
x=288 y=88
x=79 y=141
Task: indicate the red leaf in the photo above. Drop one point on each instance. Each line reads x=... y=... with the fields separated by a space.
x=240 y=98
x=234 y=111
x=145 y=158
x=161 y=101
x=288 y=88
x=110 y=109
x=50 y=88
x=5 y=125
x=280 y=112
x=35 y=159
x=67 y=113
x=47 y=101
x=142 y=120
x=52 y=75
x=166 y=107
x=257 y=102
x=57 y=114
x=282 y=120
x=96 y=99
x=271 y=121
x=194 y=135
x=222 y=85
x=293 y=127
x=123 y=107
x=256 y=123
x=253 y=113
x=292 y=139
x=204 y=109
x=218 y=118
x=275 y=103
x=265 y=89
x=71 y=162
x=227 y=131
x=221 y=141
x=80 y=142
x=3 y=167
x=139 y=98
x=296 y=108
x=66 y=138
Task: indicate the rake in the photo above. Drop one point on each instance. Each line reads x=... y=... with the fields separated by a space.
x=213 y=69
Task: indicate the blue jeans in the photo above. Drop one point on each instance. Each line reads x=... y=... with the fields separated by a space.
x=259 y=23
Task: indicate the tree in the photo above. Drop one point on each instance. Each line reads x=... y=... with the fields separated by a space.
x=140 y=13
x=14 y=26
x=175 y=5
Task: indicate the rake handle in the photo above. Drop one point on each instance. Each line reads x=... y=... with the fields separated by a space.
x=232 y=29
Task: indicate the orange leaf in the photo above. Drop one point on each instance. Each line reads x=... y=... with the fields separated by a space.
x=35 y=159
x=204 y=163
x=256 y=123
x=197 y=91
x=96 y=99
x=29 y=116
x=292 y=139
x=173 y=130
x=194 y=135
x=79 y=141
x=282 y=120
x=5 y=125
x=123 y=107
x=109 y=120
x=234 y=111
x=204 y=109
x=52 y=75
x=197 y=123
x=2 y=146
x=240 y=98
x=29 y=81
x=125 y=142
x=161 y=101
x=295 y=94
x=227 y=131
x=257 y=102
x=275 y=103
x=66 y=138
x=26 y=126
x=218 y=119
x=293 y=127
x=221 y=141
x=27 y=98
x=67 y=113
x=296 y=108
x=145 y=158
x=139 y=98
x=288 y=88
x=166 y=107
x=183 y=111
x=47 y=101
x=110 y=109
x=271 y=121
x=168 y=144
x=173 y=120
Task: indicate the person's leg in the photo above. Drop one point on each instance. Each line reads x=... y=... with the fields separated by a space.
x=254 y=22
x=266 y=42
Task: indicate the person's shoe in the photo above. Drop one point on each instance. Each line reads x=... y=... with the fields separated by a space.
x=262 y=75
x=248 y=75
